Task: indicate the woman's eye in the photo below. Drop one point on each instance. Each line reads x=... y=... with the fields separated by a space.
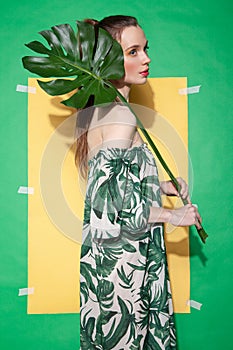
x=133 y=52
x=146 y=48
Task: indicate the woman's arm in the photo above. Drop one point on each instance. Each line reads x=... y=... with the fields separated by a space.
x=184 y=216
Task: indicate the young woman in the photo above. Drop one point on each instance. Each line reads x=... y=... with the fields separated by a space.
x=125 y=290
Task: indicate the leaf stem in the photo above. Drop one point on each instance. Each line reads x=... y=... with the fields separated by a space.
x=203 y=235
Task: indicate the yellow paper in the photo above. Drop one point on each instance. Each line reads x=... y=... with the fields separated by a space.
x=55 y=211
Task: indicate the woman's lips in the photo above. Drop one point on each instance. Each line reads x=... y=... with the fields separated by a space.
x=145 y=73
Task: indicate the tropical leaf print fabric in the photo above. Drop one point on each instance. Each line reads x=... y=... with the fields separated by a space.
x=125 y=290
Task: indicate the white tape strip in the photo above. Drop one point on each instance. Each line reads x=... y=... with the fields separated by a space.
x=190 y=90
x=26 y=190
x=26 y=291
x=194 y=304
x=195 y=205
x=25 y=88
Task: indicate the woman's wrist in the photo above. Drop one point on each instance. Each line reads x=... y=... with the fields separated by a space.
x=159 y=215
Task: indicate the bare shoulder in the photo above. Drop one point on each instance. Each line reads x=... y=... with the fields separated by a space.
x=114 y=113
x=112 y=125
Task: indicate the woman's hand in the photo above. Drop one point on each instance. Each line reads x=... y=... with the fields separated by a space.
x=185 y=216
x=169 y=189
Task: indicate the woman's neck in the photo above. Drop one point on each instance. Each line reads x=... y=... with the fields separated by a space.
x=123 y=89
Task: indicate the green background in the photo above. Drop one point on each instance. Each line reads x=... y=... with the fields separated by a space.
x=186 y=38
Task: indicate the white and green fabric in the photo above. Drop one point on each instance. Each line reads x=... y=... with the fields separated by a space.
x=125 y=289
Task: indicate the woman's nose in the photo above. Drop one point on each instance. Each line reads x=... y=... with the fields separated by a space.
x=146 y=59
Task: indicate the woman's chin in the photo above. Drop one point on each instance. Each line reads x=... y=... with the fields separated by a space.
x=141 y=81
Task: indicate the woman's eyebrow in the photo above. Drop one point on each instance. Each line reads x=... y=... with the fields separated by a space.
x=132 y=46
x=136 y=46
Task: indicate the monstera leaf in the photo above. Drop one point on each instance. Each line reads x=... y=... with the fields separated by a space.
x=93 y=58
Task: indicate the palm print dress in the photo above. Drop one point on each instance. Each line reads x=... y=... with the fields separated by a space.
x=125 y=289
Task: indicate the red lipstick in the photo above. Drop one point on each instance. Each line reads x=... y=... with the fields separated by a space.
x=145 y=73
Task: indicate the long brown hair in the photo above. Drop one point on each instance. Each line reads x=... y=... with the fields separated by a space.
x=114 y=25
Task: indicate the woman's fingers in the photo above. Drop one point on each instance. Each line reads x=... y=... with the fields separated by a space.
x=184 y=191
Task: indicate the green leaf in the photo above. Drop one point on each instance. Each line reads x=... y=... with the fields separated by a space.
x=38 y=47
x=126 y=279
x=136 y=343
x=85 y=337
x=90 y=326
x=88 y=273
x=105 y=265
x=151 y=343
x=67 y=38
x=53 y=42
x=92 y=57
x=136 y=267
x=85 y=341
x=134 y=168
x=110 y=332
x=86 y=42
x=143 y=248
x=107 y=315
x=121 y=328
x=61 y=85
x=105 y=293
x=129 y=248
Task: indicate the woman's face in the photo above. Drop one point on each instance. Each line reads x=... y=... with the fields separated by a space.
x=136 y=60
